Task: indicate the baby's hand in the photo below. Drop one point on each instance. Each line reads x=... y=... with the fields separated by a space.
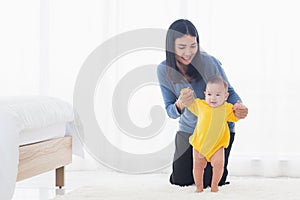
x=240 y=110
x=186 y=97
x=237 y=105
x=185 y=91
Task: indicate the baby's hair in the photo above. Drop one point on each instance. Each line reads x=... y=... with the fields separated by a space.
x=217 y=79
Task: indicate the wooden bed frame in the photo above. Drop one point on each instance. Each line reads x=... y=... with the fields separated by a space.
x=44 y=156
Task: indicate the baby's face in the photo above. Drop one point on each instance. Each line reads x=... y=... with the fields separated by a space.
x=215 y=94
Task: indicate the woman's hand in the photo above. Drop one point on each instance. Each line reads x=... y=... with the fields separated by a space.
x=240 y=110
x=185 y=99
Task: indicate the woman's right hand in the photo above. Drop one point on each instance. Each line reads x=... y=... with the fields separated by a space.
x=185 y=99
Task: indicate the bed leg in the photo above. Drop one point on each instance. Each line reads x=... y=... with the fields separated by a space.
x=60 y=177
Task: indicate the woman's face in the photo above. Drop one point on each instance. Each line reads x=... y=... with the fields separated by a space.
x=185 y=49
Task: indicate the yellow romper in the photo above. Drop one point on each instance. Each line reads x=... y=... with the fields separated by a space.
x=211 y=132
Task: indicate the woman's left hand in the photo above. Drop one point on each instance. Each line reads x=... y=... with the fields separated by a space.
x=240 y=110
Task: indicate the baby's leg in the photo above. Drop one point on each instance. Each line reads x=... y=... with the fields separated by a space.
x=199 y=165
x=217 y=162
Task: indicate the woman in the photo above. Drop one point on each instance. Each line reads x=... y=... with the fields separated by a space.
x=187 y=66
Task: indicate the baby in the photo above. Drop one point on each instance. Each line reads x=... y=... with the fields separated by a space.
x=211 y=134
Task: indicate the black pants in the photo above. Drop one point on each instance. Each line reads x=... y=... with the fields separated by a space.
x=182 y=174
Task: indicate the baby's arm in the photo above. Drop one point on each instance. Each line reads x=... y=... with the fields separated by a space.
x=230 y=114
x=195 y=104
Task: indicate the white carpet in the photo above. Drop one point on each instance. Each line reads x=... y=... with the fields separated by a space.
x=155 y=186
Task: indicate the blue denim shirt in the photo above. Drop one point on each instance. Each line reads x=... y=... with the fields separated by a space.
x=171 y=91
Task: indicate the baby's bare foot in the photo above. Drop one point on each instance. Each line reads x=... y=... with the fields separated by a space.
x=199 y=189
x=214 y=189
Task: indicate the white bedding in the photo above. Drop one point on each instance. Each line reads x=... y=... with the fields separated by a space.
x=26 y=116
x=40 y=134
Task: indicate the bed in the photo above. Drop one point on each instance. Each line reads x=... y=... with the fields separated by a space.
x=43 y=156
x=37 y=135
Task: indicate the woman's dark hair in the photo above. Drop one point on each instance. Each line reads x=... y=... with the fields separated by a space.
x=178 y=29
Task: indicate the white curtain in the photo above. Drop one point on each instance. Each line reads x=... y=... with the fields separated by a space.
x=45 y=43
